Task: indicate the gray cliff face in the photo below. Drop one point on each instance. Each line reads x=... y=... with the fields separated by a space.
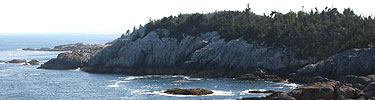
x=157 y=50
x=71 y=60
x=351 y=62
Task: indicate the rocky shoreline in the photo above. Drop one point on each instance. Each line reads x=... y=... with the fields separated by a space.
x=71 y=60
x=207 y=55
x=350 y=87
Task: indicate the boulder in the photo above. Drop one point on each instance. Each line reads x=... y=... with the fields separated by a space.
x=17 y=61
x=33 y=62
x=349 y=92
x=319 y=90
x=196 y=91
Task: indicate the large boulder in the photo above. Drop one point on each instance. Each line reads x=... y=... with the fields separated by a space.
x=350 y=62
x=319 y=90
x=349 y=92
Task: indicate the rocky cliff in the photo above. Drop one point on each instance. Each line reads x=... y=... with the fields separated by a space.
x=205 y=55
x=350 y=62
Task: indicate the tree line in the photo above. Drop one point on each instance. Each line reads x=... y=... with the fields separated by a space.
x=312 y=34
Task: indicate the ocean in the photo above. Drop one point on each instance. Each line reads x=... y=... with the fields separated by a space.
x=25 y=82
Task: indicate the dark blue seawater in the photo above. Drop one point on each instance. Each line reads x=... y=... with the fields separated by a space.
x=25 y=82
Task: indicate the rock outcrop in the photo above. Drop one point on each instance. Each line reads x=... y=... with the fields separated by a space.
x=196 y=91
x=75 y=59
x=33 y=62
x=351 y=62
x=329 y=90
x=67 y=47
x=16 y=61
x=204 y=55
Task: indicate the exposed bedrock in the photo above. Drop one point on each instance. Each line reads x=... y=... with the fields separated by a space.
x=202 y=55
x=350 y=62
x=71 y=60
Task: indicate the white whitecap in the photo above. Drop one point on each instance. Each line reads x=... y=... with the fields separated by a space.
x=133 y=77
x=36 y=74
x=294 y=85
x=117 y=84
x=78 y=69
x=279 y=87
x=192 y=79
x=220 y=92
x=28 y=74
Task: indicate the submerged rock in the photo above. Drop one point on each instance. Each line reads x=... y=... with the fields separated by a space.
x=196 y=91
x=17 y=61
x=33 y=62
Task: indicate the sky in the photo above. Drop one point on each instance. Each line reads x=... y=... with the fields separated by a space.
x=116 y=16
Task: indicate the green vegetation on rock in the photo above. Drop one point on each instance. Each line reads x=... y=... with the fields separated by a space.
x=312 y=34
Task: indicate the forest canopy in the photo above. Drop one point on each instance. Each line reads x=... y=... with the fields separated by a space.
x=312 y=34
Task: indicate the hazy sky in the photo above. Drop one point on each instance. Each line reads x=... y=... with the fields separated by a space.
x=119 y=15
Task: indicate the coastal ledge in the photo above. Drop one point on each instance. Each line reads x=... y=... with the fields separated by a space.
x=195 y=91
x=67 y=47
